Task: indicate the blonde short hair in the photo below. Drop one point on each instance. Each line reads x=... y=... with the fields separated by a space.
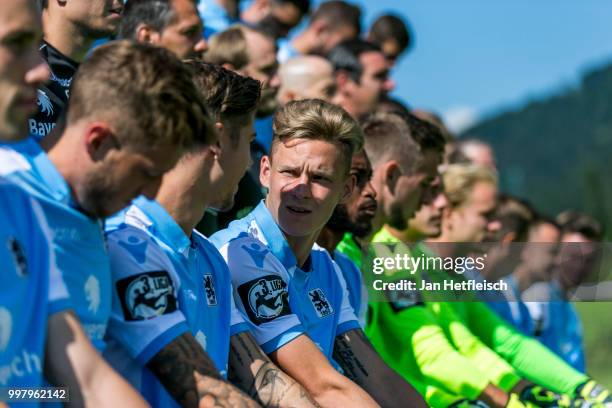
x=459 y=180
x=315 y=119
x=229 y=47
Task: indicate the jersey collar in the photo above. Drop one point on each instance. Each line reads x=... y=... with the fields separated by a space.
x=273 y=235
x=163 y=225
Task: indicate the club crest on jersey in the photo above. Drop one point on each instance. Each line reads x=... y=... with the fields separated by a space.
x=146 y=295
x=265 y=298
x=320 y=303
x=44 y=103
x=19 y=256
x=209 y=289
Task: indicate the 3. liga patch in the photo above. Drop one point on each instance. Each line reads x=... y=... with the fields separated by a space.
x=146 y=295
x=265 y=298
x=209 y=289
x=320 y=303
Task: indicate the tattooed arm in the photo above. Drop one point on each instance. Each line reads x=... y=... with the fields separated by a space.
x=252 y=371
x=72 y=361
x=362 y=364
x=302 y=360
x=191 y=377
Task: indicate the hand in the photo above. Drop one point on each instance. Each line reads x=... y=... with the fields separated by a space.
x=593 y=392
x=541 y=397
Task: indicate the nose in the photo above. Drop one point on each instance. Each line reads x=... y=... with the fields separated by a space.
x=369 y=190
x=389 y=85
x=301 y=187
x=200 y=46
x=440 y=201
x=494 y=226
x=275 y=81
x=38 y=71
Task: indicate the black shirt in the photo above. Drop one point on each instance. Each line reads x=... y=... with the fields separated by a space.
x=53 y=96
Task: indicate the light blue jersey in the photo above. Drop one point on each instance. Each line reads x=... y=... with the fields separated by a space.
x=214 y=17
x=357 y=291
x=280 y=299
x=78 y=240
x=165 y=285
x=556 y=323
x=30 y=282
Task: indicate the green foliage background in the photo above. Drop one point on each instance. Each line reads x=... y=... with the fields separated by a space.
x=557 y=153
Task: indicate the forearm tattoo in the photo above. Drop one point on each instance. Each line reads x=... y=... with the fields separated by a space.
x=348 y=361
x=191 y=377
x=269 y=385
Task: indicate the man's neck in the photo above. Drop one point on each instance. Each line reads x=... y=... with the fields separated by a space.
x=329 y=239
x=182 y=204
x=301 y=247
x=66 y=161
x=447 y=249
x=66 y=38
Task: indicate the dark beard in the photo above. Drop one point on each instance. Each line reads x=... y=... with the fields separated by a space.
x=340 y=222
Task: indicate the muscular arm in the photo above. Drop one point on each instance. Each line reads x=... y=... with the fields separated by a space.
x=363 y=365
x=71 y=361
x=191 y=377
x=252 y=371
x=302 y=360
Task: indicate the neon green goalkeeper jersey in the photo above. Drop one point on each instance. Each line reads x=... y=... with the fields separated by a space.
x=455 y=347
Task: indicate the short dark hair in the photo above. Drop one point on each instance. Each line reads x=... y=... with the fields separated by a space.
x=390 y=27
x=574 y=221
x=339 y=13
x=345 y=56
x=227 y=95
x=145 y=90
x=515 y=215
x=391 y=136
x=158 y=14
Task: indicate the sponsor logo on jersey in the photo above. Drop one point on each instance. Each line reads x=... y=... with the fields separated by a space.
x=19 y=256
x=265 y=298
x=44 y=103
x=23 y=364
x=146 y=295
x=92 y=293
x=320 y=303
x=209 y=289
x=6 y=328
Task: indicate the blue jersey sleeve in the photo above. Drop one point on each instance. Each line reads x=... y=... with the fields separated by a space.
x=262 y=296
x=346 y=319
x=145 y=314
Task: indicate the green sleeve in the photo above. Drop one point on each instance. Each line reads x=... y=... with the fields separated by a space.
x=413 y=337
x=469 y=345
x=533 y=360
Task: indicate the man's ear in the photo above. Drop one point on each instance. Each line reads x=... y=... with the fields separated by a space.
x=146 y=34
x=265 y=168
x=391 y=174
x=348 y=189
x=99 y=140
x=342 y=79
